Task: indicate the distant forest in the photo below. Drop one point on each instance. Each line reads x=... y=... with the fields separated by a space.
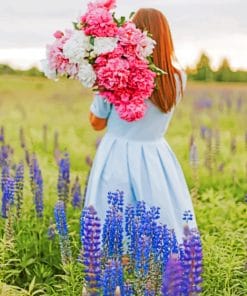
x=201 y=72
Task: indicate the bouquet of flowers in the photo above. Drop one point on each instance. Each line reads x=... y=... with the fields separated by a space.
x=107 y=54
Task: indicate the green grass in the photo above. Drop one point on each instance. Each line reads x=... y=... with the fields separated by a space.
x=33 y=264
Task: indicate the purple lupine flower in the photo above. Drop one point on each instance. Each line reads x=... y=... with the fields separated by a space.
x=19 y=184
x=5 y=176
x=2 y=134
x=239 y=103
x=86 y=185
x=64 y=178
x=128 y=289
x=112 y=278
x=5 y=152
x=62 y=228
x=27 y=157
x=97 y=143
x=51 y=232
x=36 y=186
x=76 y=194
x=233 y=144
x=172 y=277
x=8 y=196
x=113 y=227
x=56 y=149
x=91 y=252
x=45 y=130
x=22 y=138
x=89 y=161
x=191 y=259
x=203 y=103
x=193 y=155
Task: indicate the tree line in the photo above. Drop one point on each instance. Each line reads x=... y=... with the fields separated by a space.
x=204 y=72
x=201 y=72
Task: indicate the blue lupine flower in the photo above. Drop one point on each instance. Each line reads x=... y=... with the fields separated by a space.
x=62 y=228
x=64 y=178
x=8 y=196
x=191 y=259
x=5 y=176
x=166 y=246
x=60 y=218
x=91 y=253
x=19 y=184
x=174 y=242
x=37 y=186
x=172 y=277
x=187 y=216
x=113 y=227
x=112 y=278
x=76 y=194
x=142 y=255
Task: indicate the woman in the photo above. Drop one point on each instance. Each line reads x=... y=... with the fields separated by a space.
x=134 y=157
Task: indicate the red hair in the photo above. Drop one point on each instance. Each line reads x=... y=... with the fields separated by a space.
x=152 y=20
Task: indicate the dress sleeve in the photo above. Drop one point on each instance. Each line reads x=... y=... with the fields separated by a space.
x=100 y=107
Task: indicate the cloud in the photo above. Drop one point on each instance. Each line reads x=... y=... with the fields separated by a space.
x=194 y=24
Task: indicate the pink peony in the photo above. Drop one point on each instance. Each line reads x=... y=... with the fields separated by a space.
x=58 y=34
x=56 y=59
x=99 y=22
x=114 y=75
x=132 y=111
x=107 y=4
x=129 y=35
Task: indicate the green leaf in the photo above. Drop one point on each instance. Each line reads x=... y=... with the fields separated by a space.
x=91 y=40
x=75 y=25
x=31 y=286
x=131 y=14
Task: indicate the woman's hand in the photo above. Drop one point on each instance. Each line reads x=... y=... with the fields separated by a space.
x=97 y=123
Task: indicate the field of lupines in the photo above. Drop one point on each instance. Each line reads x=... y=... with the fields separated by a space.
x=47 y=147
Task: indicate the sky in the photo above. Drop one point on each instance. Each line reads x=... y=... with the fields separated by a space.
x=217 y=27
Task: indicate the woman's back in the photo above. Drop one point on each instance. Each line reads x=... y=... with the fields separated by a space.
x=136 y=159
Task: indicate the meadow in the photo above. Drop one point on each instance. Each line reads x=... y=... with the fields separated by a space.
x=209 y=137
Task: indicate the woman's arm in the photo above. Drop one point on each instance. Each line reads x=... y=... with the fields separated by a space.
x=97 y=123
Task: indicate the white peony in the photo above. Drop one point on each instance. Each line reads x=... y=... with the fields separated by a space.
x=77 y=47
x=104 y=45
x=145 y=47
x=49 y=73
x=86 y=74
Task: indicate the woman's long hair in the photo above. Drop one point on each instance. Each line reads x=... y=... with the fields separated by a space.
x=152 y=20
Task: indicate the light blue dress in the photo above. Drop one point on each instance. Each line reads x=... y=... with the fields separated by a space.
x=136 y=158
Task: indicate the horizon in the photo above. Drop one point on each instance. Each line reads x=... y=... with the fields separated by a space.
x=224 y=36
